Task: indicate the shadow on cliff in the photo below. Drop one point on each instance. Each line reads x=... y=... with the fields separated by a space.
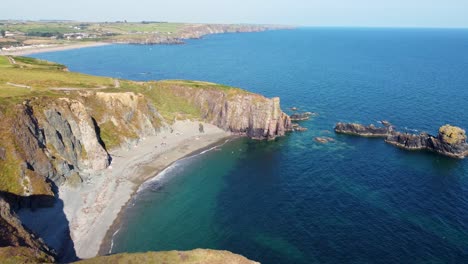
x=45 y=217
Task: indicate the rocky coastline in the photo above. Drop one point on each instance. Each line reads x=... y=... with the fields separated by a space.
x=450 y=140
x=196 y=31
x=62 y=152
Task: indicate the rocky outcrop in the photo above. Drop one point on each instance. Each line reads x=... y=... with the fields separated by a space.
x=239 y=112
x=301 y=116
x=365 y=131
x=206 y=256
x=450 y=141
x=16 y=241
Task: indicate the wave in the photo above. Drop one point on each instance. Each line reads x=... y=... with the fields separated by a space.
x=157 y=181
x=411 y=129
x=112 y=241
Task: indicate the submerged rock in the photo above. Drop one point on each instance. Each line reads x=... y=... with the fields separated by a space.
x=297 y=127
x=301 y=116
x=324 y=140
x=450 y=141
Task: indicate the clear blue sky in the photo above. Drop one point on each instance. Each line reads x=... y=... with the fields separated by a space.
x=374 y=13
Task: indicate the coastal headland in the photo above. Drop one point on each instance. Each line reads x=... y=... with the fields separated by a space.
x=74 y=147
x=29 y=37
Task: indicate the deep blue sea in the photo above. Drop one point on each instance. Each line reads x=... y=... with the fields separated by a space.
x=355 y=200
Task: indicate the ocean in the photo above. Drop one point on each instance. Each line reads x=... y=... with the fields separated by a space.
x=293 y=200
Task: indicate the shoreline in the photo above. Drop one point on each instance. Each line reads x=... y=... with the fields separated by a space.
x=92 y=208
x=107 y=242
x=29 y=50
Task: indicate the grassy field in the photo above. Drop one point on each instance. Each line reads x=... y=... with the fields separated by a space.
x=22 y=77
x=30 y=76
x=123 y=28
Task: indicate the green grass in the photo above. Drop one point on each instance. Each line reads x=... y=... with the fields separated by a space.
x=41 y=76
x=4 y=62
x=121 y=28
x=38 y=64
x=40 y=27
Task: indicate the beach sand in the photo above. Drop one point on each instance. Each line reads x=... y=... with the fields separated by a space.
x=28 y=50
x=92 y=207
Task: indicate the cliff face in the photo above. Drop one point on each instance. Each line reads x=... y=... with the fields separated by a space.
x=450 y=141
x=239 y=112
x=56 y=140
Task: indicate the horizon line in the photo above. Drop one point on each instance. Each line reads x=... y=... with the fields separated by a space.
x=245 y=23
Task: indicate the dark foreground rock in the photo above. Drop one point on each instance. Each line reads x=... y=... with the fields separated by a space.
x=450 y=141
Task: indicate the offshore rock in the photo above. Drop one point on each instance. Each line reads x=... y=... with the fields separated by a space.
x=365 y=131
x=450 y=141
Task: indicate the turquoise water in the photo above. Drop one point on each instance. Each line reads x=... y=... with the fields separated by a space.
x=354 y=200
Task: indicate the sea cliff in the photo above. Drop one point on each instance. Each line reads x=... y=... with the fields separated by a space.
x=58 y=139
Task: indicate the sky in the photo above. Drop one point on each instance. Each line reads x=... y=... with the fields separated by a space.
x=348 y=13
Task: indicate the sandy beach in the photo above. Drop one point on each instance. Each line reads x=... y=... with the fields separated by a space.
x=28 y=50
x=92 y=207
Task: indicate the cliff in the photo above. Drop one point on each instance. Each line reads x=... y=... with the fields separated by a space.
x=61 y=129
x=450 y=141
x=236 y=110
x=52 y=140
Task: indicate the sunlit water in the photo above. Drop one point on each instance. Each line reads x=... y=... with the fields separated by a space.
x=355 y=200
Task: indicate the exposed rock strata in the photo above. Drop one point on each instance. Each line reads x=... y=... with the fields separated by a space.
x=50 y=141
x=55 y=138
x=450 y=141
x=242 y=113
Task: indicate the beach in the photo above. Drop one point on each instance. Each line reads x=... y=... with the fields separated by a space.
x=29 y=50
x=92 y=206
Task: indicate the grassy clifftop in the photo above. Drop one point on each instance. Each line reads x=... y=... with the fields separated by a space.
x=42 y=85
x=23 y=77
